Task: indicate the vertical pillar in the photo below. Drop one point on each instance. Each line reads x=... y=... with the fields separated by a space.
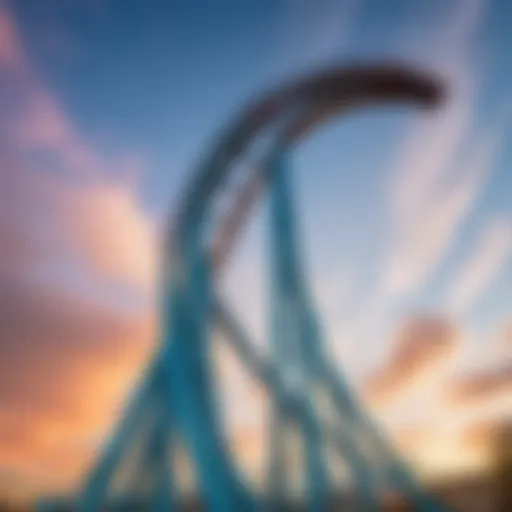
x=287 y=340
x=96 y=488
x=189 y=381
x=162 y=492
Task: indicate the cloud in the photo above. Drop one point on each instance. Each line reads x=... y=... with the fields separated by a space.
x=506 y=339
x=10 y=48
x=422 y=346
x=443 y=163
x=458 y=433
x=484 y=439
x=73 y=236
x=53 y=182
x=482 y=387
x=71 y=228
x=106 y=225
x=436 y=451
x=483 y=267
x=64 y=370
x=481 y=435
x=98 y=229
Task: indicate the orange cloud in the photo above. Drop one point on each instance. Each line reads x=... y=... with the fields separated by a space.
x=435 y=450
x=482 y=386
x=415 y=439
x=487 y=439
x=422 y=345
x=480 y=435
x=64 y=369
x=106 y=225
x=72 y=235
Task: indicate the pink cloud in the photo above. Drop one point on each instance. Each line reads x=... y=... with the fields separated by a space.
x=483 y=386
x=422 y=345
x=443 y=163
x=106 y=225
x=57 y=353
x=79 y=196
x=66 y=218
x=43 y=123
x=11 y=52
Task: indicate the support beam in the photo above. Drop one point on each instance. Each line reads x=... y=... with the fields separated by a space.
x=95 y=492
x=190 y=386
x=180 y=377
x=286 y=329
x=297 y=408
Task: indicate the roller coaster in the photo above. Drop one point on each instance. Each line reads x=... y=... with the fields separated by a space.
x=174 y=405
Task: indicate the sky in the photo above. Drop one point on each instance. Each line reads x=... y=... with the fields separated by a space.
x=406 y=218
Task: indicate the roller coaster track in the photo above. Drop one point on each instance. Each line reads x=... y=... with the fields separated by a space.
x=175 y=392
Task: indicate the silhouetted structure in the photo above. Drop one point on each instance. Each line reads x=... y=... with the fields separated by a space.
x=503 y=461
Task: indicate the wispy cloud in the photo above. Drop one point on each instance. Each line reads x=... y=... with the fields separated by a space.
x=422 y=346
x=443 y=163
x=482 y=386
x=70 y=225
x=483 y=435
x=493 y=251
x=10 y=47
x=81 y=198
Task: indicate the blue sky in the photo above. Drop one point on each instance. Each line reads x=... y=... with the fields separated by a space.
x=111 y=102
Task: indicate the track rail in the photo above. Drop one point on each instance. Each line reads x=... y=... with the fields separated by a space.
x=296 y=109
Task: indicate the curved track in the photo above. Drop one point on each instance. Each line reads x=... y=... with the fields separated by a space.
x=295 y=110
x=179 y=380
